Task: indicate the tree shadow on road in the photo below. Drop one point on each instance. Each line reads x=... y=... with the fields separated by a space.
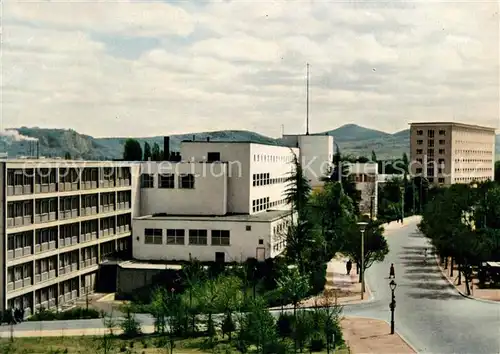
x=430 y=286
x=434 y=295
x=422 y=274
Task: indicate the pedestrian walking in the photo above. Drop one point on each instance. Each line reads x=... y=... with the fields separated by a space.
x=348 y=267
x=392 y=272
x=13 y=316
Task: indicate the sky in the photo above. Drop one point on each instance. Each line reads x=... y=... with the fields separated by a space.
x=149 y=68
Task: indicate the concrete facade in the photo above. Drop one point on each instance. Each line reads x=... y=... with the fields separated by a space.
x=366 y=177
x=237 y=189
x=60 y=219
x=448 y=152
x=316 y=155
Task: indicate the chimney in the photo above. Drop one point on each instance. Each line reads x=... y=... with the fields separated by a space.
x=38 y=149
x=166 y=148
x=208 y=138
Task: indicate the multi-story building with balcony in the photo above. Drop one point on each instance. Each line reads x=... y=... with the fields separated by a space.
x=60 y=220
x=448 y=152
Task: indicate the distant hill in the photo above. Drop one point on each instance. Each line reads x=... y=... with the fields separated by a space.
x=351 y=138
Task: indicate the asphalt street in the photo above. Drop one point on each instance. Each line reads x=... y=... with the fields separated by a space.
x=430 y=313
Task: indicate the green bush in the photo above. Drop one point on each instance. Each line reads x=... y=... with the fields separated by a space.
x=77 y=313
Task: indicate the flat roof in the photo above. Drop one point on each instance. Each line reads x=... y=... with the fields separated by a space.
x=458 y=124
x=266 y=216
x=147 y=265
x=279 y=144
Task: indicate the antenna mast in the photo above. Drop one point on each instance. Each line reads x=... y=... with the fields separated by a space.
x=307 y=101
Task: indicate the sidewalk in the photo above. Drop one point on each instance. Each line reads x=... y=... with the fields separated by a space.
x=340 y=288
x=394 y=225
x=365 y=335
x=476 y=291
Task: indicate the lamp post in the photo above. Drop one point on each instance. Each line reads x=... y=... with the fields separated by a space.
x=372 y=204
x=362 y=227
x=402 y=189
x=392 y=305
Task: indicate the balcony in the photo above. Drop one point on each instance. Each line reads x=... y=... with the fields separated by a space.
x=18 y=284
x=19 y=190
x=122 y=229
x=45 y=246
x=19 y=252
x=122 y=205
x=88 y=263
x=88 y=211
x=68 y=186
x=68 y=214
x=106 y=208
x=68 y=241
x=106 y=232
x=41 y=277
x=68 y=269
x=45 y=217
x=45 y=188
x=89 y=185
x=107 y=183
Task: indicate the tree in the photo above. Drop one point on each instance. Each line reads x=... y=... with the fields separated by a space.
x=156 y=153
x=132 y=150
x=147 y=151
x=260 y=327
x=130 y=326
x=298 y=188
x=230 y=299
x=375 y=244
x=67 y=156
x=374 y=156
x=193 y=274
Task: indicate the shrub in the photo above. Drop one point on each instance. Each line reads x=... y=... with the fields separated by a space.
x=284 y=325
x=77 y=313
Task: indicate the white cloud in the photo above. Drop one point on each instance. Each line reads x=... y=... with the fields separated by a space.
x=236 y=65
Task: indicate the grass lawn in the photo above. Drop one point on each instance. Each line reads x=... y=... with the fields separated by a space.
x=94 y=345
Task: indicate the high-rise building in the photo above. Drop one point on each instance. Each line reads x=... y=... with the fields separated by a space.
x=448 y=152
x=59 y=220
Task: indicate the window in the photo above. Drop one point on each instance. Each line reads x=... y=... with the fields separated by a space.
x=420 y=132
x=220 y=238
x=442 y=132
x=175 y=236
x=147 y=181
x=166 y=180
x=419 y=170
x=248 y=228
x=430 y=143
x=186 y=181
x=430 y=133
x=153 y=236
x=420 y=142
x=441 y=142
x=419 y=160
x=420 y=151
x=213 y=156
x=198 y=237
x=430 y=152
x=430 y=171
x=261 y=241
x=441 y=151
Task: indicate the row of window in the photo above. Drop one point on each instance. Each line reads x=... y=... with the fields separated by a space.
x=430 y=143
x=264 y=179
x=272 y=158
x=25 y=239
x=430 y=132
x=49 y=205
x=474 y=152
x=19 y=177
x=195 y=237
x=477 y=169
x=473 y=142
x=265 y=203
x=185 y=181
x=430 y=152
x=471 y=179
x=473 y=161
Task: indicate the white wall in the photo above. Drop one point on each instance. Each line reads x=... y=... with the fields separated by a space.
x=237 y=156
x=243 y=244
x=277 y=161
x=208 y=197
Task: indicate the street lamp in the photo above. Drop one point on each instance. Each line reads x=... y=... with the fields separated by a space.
x=362 y=227
x=402 y=189
x=392 y=305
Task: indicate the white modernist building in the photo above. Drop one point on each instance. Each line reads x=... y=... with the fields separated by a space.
x=316 y=154
x=223 y=202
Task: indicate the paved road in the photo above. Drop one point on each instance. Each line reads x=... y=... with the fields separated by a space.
x=430 y=314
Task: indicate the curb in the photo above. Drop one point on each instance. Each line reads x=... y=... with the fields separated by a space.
x=403 y=338
x=460 y=292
